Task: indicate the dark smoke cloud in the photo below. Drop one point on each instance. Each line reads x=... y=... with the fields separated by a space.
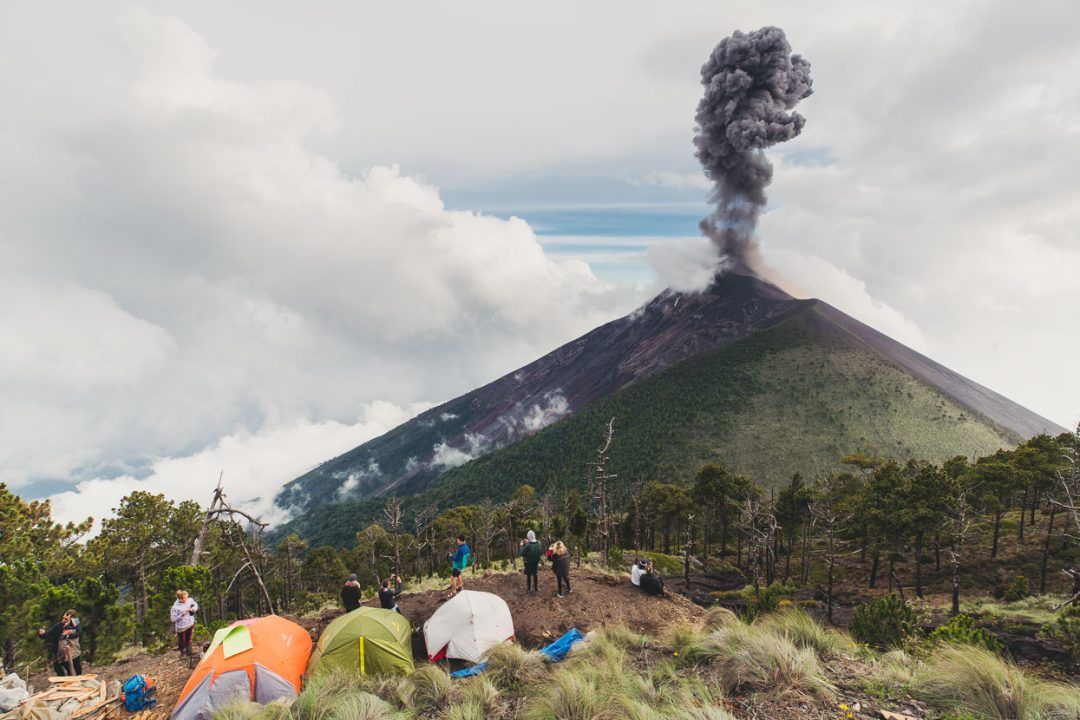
x=752 y=82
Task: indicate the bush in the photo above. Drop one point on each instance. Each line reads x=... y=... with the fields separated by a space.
x=961 y=630
x=1066 y=628
x=1017 y=589
x=768 y=601
x=976 y=681
x=884 y=623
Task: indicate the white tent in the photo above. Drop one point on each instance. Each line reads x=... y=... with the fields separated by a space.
x=467 y=625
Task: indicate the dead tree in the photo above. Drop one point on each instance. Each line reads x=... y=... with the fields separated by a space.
x=219 y=506
x=489 y=529
x=688 y=542
x=1070 y=484
x=424 y=531
x=392 y=513
x=825 y=512
x=598 y=490
x=961 y=515
x=759 y=528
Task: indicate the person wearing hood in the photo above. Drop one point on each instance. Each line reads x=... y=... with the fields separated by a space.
x=531 y=552
x=182 y=616
x=63 y=639
x=350 y=594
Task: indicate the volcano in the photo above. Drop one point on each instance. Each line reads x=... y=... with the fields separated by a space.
x=742 y=373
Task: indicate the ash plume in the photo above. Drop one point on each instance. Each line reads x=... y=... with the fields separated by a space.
x=752 y=83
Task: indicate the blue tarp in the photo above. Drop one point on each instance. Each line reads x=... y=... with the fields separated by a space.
x=470 y=671
x=558 y=650
x=555 y=652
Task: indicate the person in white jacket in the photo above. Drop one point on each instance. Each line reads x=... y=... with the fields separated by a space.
x=182 y=616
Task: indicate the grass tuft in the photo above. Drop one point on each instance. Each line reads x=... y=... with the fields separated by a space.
x=359 y=706
x=511 y=666
x=481 y=691
x=428 y=688
x=317 y=700
x=719 y=617
x=571 y=696
x=805 y=632
x=749 y=659
x=976 y=681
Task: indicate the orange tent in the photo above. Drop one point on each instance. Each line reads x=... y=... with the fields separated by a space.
x=260 y=659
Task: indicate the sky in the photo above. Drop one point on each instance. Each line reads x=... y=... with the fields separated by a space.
x=248 y=237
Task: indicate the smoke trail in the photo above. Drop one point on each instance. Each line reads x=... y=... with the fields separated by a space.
x=752 y=82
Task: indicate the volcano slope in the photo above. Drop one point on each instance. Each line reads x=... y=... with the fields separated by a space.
x=798 y=394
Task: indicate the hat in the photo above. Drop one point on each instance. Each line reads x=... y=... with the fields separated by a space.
x=530 y=536
x=352 y=577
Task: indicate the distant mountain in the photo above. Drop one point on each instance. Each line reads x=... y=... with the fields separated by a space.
x=742 y=373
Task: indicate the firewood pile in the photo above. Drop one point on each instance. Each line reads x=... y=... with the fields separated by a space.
x=80 y=697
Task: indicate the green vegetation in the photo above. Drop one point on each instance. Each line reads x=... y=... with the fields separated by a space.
x=961 y=630
x=973 y=680
x=792 y=398
x=884 y=623
x=1066 y=628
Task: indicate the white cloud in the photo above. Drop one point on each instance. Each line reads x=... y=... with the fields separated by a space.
x=184 y=268
x=686 y=264
x=448 y=456
x=554 y=407
x=255 y=465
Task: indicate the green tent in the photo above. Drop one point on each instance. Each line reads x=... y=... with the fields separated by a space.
x=368 y=641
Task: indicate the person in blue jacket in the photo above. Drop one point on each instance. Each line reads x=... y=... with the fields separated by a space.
x=459 y=560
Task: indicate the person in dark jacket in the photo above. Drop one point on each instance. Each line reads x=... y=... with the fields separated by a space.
x=651 y=581
x=350 y=594
x=388 y=595
x=531 y=552
x=65 y=660
x=560 y=565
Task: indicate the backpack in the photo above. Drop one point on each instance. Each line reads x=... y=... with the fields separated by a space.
x=139 y=693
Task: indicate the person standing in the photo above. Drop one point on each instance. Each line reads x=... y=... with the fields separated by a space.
x=350 y=594
x=560 y=565
x=182 y=616
x=63 y=639
x=459 y=560
x=388 y=595
x=531 y=552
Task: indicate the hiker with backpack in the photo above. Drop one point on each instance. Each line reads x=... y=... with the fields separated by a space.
x=560 y=565
x=63 y=639
x=531 y=552
x=350 y=594
x=182 y=616
x=459 y=560
x=388 y=595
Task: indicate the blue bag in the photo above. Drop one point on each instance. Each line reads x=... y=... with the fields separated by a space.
x=139 y=693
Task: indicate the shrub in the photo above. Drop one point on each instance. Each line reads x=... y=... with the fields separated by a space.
x=884 y=623
x=1017 y=589
x=976 y=681
x=961 y=630
x=569 y=696
x=750 y=659
x=511 y=666
x=804 y=632
x=1066 y=628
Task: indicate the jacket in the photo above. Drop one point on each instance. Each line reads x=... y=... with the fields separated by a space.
x=560 y=565
x=388 y=596
x=460 y=558
x=182 y=614
x=350 y=596
x=531 y=553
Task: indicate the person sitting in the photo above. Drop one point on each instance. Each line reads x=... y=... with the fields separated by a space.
x=636 y=571
x=350 y=594
x=651 y=581
x=388 y=595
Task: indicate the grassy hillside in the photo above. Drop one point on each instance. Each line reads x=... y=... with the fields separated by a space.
x=796 y=397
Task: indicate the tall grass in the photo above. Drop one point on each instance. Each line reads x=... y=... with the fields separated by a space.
x=805 y=632
x=511 y=666
x=976 y=681
x=428 y=688
x=717 y=617
x=750 y=659
x=316 y=702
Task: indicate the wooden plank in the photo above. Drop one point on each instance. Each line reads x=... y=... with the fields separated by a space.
x=72 y=678
x=96 y=706
x=103 y=691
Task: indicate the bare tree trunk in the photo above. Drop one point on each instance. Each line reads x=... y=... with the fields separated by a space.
x=1046 y=550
